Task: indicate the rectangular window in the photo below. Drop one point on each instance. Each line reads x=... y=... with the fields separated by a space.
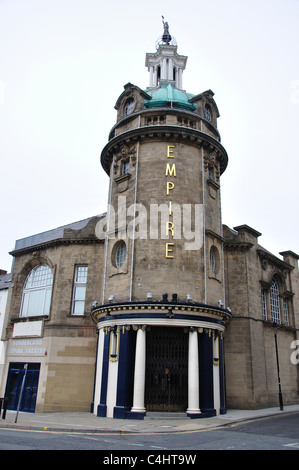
x=274 y=303
x=36 y=302
x=125 y=168
x=79 y=290
x=286 y=312
x=264 y=305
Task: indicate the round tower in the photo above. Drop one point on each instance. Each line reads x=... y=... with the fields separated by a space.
x=162 y=317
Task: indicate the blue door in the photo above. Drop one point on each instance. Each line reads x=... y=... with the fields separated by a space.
x=14 y=384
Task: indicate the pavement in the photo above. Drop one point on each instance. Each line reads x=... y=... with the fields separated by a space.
x=85 y=422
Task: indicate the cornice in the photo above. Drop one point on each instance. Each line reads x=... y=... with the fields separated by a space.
x=166 y=110
x=167 y=132
x=237 y=246
x=52 y=243
x=214 y=234
x=263 y=255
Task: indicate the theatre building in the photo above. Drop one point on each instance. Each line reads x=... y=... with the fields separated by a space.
x=154 y=305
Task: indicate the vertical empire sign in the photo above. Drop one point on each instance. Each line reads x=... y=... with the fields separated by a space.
x=170 y=173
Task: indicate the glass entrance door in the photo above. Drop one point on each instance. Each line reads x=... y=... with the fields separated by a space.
x=14 y=383
x=166 y=385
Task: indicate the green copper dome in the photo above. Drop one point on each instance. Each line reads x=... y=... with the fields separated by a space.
x=167 y=95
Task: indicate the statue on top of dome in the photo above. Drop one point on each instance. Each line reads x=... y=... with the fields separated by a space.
x=166 y=36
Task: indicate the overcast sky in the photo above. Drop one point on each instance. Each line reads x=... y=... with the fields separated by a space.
x=63 y=64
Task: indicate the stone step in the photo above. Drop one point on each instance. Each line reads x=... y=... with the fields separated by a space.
x=165 y=415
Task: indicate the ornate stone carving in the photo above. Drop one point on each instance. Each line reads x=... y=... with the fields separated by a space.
x=211 y=162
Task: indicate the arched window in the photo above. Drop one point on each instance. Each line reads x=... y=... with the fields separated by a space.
x=212 y=260
x=120 y=254
x=274 y=302
x=37 y=292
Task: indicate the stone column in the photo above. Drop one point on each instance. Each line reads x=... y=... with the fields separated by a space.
x=180 y=79
x=164 y=69
x=151 y=76
x=193 y=374
x=170 y=69
x=155 y=77
x=139 y=374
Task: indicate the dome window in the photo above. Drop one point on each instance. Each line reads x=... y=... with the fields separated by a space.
x=208 y=112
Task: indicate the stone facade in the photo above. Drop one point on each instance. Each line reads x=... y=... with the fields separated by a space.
x=163 y=327
x=192 y=170
x=64 y=344
x=251 y=369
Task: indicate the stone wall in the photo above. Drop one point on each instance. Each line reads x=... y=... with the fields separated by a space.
x=250 y=354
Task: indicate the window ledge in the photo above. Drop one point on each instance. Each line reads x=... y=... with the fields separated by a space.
x=74 y=315
x=213 y=184
x=122 y=178
x=269 y=324
x=28 y=319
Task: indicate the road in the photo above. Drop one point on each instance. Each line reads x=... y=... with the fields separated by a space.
x=279 y=432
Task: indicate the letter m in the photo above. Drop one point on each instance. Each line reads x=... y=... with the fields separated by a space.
x=170 y=170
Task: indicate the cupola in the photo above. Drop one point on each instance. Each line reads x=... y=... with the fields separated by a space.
x=165 y=65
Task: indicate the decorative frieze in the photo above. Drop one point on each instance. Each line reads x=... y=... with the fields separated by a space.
x=107 y=312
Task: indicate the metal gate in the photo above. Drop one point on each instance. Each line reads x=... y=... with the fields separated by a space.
x=166 y=384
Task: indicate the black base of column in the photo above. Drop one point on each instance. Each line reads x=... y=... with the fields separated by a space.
x=135 y=415
x=123 y=412
x=203 y=414
x=120 y=412
x=102 y=411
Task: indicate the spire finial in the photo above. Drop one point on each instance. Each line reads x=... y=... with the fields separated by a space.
x=166 y=36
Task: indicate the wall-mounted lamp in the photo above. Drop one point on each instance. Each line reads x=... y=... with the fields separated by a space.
x=111 y=298
x=149 y=296
x=189 y=297
x=165 y=297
